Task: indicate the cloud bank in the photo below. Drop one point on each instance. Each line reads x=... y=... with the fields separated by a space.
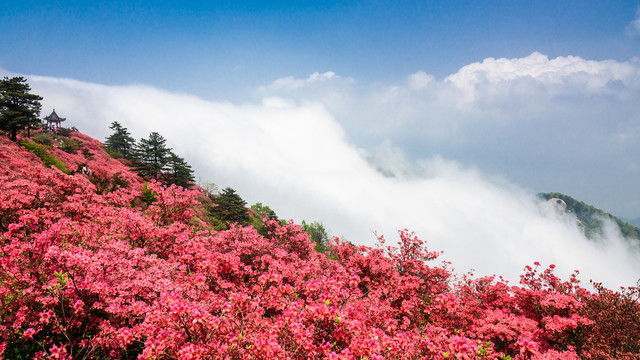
x=353 y=155
x=542 y=122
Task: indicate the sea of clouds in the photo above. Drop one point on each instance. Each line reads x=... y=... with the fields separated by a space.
x=439 y=157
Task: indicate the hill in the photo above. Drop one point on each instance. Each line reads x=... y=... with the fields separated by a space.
x=635 y=222
x=591 y=219
x=97 y=263
x=68 y=154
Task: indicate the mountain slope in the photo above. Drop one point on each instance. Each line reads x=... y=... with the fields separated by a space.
x=635 y=222
x=82 y=150
x=123 y=270
x=591 y=219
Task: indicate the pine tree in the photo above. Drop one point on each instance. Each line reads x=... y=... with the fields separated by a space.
x=179 y=172
x=230 y=208
x=18 y=107
x=152 y=156
x=120 y=141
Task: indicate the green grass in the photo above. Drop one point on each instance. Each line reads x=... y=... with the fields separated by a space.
x=47 y=159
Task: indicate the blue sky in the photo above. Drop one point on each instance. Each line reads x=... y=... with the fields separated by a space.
x=213 y=48
x=443 y=117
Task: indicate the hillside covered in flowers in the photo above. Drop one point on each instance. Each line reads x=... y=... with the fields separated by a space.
x=97 y=263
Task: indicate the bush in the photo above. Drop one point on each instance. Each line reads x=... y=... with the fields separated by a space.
x=43 y=139
x=85 y=276
x=104 y=184
x=148 y=196
x=63 y=132
x=87 y=154
x=114 y=154
x=69 y=145
x=47 y=159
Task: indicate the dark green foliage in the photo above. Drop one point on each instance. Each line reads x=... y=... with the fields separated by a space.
x=47 y=159
x=62 y=131
x=107 y=185
x=44 y=139
x=69 y=145
x=118 y=181
x=19 y=109
x=152 y=156
x=120 y=141
x=178 y=172
x=114 y=154
x=318 y=235
x=218 y=224
x=21 y=350
x=627 y=230
x=87 y=154
x=154 y=160
x=102 y=184
x=591 y=218
x=229 y=208
x=148 y=196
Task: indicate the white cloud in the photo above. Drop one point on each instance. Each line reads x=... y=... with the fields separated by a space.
x=535 y=73
x=420 y=80
x=296 y=157
x=278 y=102
x=475 y=100
x=562 y=123
x=634 y=26
x=290 y=83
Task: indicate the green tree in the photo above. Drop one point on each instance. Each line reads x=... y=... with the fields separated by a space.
x=264 y=211
x=178 y=172
x=152 y=156
x=120 y=141
x=261 y=212
x=229 y=207
x=318 y=235
x=18 y=107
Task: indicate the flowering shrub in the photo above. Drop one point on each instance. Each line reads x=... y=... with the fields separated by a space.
x=90 y=274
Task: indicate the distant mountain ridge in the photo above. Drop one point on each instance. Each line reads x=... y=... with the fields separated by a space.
x=634 y=222
x=591 y=219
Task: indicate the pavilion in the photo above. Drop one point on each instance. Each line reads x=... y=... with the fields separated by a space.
x=53 y=121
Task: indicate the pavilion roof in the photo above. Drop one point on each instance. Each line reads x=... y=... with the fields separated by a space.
x=54 y=117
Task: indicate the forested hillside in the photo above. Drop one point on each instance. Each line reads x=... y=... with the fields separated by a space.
x=591 y=219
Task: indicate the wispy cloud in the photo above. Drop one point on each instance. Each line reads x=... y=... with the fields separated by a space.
x=295 y=155
x=633 y=29
x=291 y=83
